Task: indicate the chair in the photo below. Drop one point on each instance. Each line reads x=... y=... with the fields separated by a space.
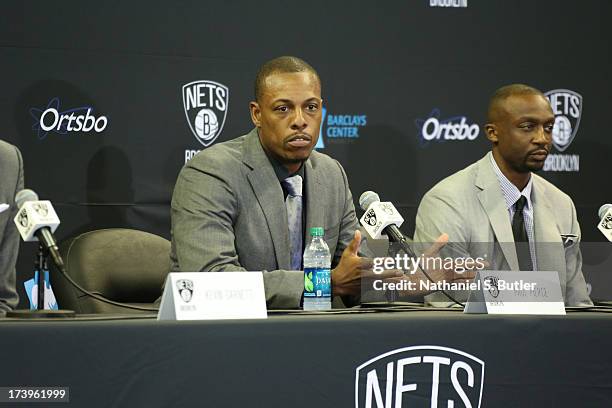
x=123 y=265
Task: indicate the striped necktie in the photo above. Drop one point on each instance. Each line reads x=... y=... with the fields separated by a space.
x=293 y=203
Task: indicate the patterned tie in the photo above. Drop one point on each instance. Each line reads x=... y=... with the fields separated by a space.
x=521 y=241
x=293 y=203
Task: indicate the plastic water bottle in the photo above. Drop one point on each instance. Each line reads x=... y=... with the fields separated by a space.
x=317 y=273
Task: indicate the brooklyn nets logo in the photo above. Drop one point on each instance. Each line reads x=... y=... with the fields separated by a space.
x=205 y=104
x=185 y=289
x=370 y=217
x=420 y=376
x=567 y=107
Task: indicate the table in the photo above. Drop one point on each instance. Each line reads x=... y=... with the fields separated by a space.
x=312 y=360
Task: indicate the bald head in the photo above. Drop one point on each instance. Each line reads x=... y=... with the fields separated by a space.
x=280 y=65
x=520 y=128
x=497 y=108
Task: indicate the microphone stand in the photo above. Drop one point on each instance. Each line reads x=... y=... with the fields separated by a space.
x=40 y=265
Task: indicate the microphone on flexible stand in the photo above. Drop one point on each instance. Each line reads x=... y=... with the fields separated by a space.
x=382 y=217
x=36 y=220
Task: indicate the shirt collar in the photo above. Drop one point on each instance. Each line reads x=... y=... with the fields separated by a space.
x=510 y=191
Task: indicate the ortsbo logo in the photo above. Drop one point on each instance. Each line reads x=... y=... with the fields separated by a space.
x=438 y=129
x=421 y=376
x=54 y=119
x=205 y=104
x=567 y=107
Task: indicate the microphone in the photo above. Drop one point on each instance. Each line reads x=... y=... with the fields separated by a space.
x=605 y=220
x=380 y=217
x=36 y=220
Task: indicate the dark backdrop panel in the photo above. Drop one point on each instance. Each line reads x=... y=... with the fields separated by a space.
x=395 y=64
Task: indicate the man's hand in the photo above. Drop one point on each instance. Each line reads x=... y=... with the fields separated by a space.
x=352 y=269
x=441 y=274
x=437 y=271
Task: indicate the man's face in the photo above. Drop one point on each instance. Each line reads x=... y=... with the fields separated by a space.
x=288 y=116
x=522 y=132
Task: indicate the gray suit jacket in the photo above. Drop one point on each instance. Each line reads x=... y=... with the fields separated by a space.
x=470 y=207
x=228 y=214
x=11 y=174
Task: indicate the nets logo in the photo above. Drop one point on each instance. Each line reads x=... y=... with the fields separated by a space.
x=493 y=282
x=422 y=376
x=454 y=128
x=339 y=127
x=185 y=289
x=205 y=104
x=370 y=217
x=53 y=119
x=23 y=218
x=567 y=107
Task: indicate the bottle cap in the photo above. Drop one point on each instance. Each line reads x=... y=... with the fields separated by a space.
x=316 y=232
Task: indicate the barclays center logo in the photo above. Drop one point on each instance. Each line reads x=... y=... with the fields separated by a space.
x=205 y=104
x=431 y=376
x=54 y=119
x=339 y=127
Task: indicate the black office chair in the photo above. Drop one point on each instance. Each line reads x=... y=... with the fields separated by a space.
x=123 y=265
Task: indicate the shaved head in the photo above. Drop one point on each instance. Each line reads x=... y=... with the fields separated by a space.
x=520 y=128
x=496 y=103
x=280 y=65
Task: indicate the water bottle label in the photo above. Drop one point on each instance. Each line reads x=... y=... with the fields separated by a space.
x=317 y=282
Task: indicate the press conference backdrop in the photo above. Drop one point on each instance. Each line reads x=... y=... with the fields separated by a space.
x=107 y=100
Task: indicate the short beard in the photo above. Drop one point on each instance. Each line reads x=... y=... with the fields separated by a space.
x=533 y=168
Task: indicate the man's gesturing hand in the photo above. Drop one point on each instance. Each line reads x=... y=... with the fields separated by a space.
x=352 y=269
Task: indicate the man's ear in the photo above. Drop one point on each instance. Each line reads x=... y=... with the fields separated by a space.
x=255 y=113
x=491 y=132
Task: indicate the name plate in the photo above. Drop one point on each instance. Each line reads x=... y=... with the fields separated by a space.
x=213 y=296
x=511 y=292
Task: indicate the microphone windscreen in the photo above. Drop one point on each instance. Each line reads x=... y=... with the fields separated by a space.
x=25 y=195
x=603 y=209
x=367 y=198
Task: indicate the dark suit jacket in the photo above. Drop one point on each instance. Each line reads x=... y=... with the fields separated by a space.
x=470 y=207
x=228 y=214
x=11 y=174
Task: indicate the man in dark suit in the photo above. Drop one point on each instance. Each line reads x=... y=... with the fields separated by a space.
x=11 y=172
x=234 y=205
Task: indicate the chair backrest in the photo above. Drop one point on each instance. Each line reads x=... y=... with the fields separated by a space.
x=123 y=265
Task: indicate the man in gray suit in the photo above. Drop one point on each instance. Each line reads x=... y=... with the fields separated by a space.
x=11 y=173
x=229 y=207
x=498 y=207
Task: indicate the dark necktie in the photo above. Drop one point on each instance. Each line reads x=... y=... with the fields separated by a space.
x=521 y=241
x=293 y=203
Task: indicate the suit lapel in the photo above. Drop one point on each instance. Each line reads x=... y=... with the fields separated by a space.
x=315 y=212
x=492 y=200
x=269 y=195
x=547 y=236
